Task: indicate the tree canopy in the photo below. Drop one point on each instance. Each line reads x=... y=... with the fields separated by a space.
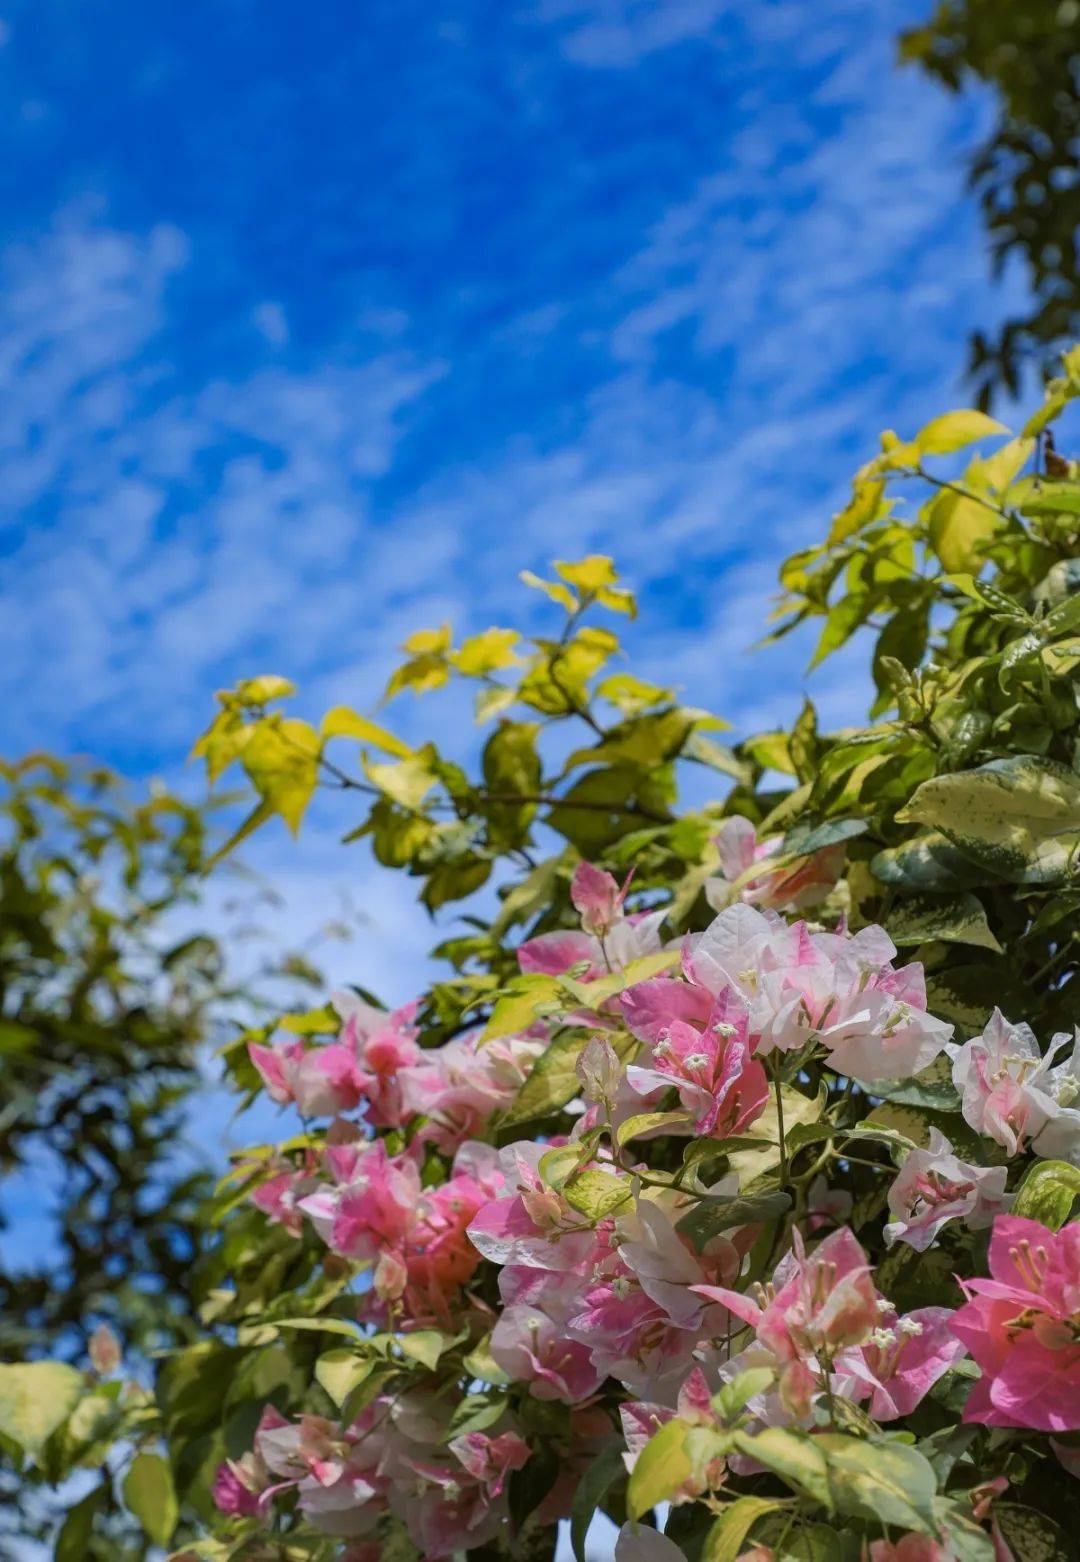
x=1027 y=59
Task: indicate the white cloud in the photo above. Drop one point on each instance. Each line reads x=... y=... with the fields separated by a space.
x=159 y=531
x=618 y=33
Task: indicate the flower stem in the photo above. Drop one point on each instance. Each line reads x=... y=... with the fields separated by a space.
x=780 y=1118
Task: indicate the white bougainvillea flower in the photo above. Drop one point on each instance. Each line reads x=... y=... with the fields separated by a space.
x=934 y=1186
x=1010 y=1092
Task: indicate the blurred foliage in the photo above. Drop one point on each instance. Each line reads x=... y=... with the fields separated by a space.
x=1025 y=171
x=104 y=1004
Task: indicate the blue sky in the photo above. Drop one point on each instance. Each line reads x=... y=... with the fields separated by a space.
x=319 y=323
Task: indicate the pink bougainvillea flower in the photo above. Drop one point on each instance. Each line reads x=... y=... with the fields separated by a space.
x=371 y=1211
x=529 y=1224
x=799 y=987
x=231 y=1495
x=490 y=1460
x=460 y=1086
x=597 y=897
x=279 y=1196
x=934 y=1186
x=816 y=1306
x=437 y=1254
x=1022 y=1327
x=718 y=1081
x=616 y=943
x=384 y=1046
x=531 y=1347
x=900 y=1362
x=318 y=1080
x=803 y=883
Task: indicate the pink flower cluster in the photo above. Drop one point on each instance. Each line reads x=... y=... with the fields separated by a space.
x=781 y=987
x=395 y=1456
x=1022 y=1327
x=621 y=1299
x=822 y=1324
x=376 y=1210
x=584 y=1301
x=377 y=1063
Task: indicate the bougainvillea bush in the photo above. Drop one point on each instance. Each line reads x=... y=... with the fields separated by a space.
x=723 y=1183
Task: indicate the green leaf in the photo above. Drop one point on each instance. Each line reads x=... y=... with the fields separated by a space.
x=516 y=1010
x=281 y=758
x=597 y=1194
x=252 y=822
x=481 y=1364
x=795 y=1457
x=752 y=1164
x=150 y=1495
x=724 y=1542
x=1032 y=1536
x=660 y=1469
x=966 y=1540
x=475 y=1413
x=606 y=1470
x=928 y=863
x=339 y=1372
x=341 y=722
x=604 y=804
x=552 y=1081
x=734 y=1396
x=1017 y=817
x=350 y=1331
x=932 y=1087
x=953 y=430
x=806 y=838
x=1048 y=1192
x=712 y=1216
x=889 y=1483
x=511 y=768
x=35 y=1397
x=263 y=689
x=424 y=1346
x=650 y=1122
x=73 y=1541
x=960 y=526
x=956 y=919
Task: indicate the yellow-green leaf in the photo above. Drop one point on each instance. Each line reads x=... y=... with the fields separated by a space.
x=959 y=528
x=661 y=1468
x=339 y=1372
x=724 y=1542
x=487 y=652
x=516 y=1010
x=953 y=430
x=1048 y=1192
x=341 y=722
x=552 y=589
x=596 y=1193
x=35 y=1397
x=551 y=1083
x=150 y=1495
